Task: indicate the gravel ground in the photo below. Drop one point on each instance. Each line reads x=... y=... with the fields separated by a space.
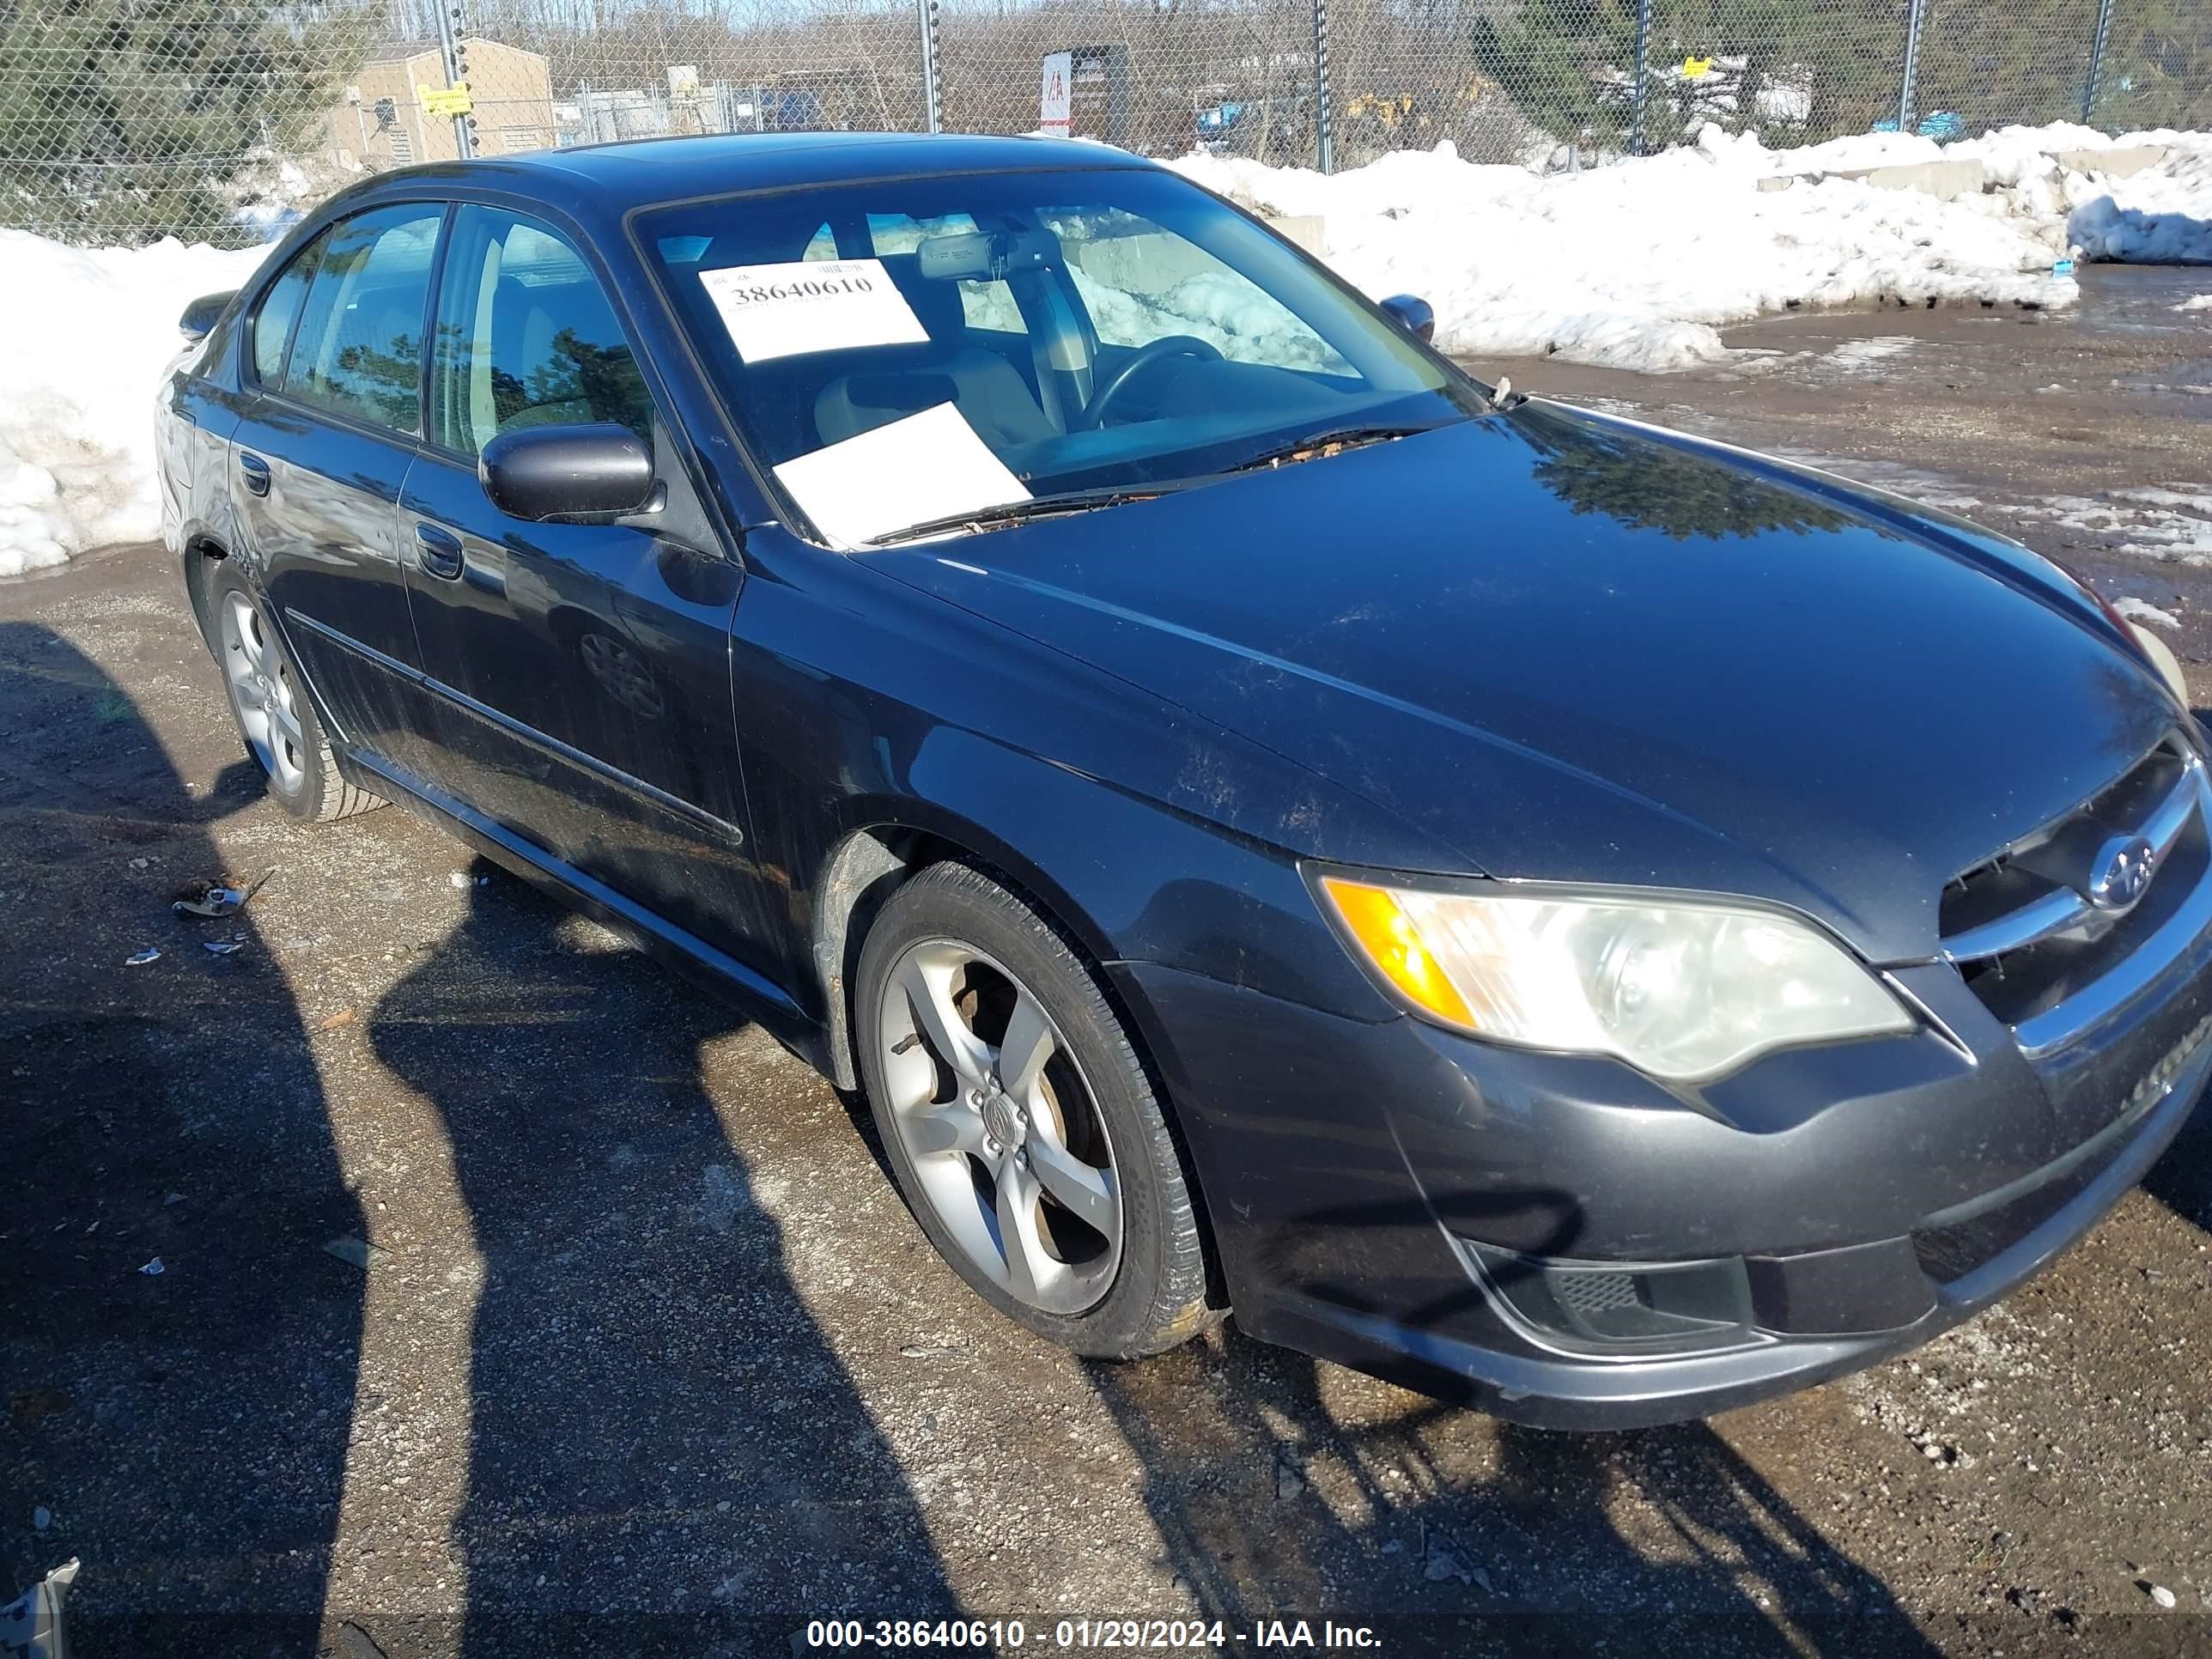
x=625 y=1344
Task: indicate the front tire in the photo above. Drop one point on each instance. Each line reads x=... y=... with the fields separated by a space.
x=1020 y=1124
x=274 y=715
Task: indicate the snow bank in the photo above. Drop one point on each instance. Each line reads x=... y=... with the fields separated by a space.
x=2161 y=216
x=90 y=332
x=1639 y=265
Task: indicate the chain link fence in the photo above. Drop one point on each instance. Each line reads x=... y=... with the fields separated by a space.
x=126 y=120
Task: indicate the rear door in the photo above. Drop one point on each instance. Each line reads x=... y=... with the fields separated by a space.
x=585 y=666
x=321 y=454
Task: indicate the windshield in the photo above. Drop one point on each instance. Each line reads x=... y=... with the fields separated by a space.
x=903 y=351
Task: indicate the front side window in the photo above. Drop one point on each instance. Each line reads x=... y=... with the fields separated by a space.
x=279 y=309
x=526 y=337
x=358 y=349
x=1013 y=336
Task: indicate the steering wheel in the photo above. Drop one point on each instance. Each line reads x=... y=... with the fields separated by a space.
x=1168 y=345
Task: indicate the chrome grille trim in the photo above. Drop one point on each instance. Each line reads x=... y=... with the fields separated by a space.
x=2062 y=911
x=2164 y=826
x=2052 y=913
x=2128 y=977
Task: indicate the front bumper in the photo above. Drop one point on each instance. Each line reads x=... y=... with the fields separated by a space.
x=1358 y=1177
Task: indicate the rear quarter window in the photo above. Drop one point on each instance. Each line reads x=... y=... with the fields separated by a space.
x=271 y=329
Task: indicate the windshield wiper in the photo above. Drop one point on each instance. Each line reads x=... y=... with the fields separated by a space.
x=1316 y=445
x=1089 y=501
x=1012 y=513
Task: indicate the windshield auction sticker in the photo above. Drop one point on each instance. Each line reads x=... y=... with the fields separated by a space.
x=809 y=305
x=927 y=467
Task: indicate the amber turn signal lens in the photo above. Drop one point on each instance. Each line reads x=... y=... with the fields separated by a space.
x=1392 y=942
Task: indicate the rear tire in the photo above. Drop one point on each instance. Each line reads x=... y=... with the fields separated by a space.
x=275 y=716
x=1022 y=1128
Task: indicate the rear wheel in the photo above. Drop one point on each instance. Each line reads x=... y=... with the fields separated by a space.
x=274 y=715
x=1022 y=1128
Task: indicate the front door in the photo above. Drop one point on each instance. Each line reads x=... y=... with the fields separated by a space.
x=583 y=668
x=321 y=454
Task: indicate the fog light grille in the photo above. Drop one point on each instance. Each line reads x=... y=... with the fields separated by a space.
x=1593 y=1295
x=1614 y=1309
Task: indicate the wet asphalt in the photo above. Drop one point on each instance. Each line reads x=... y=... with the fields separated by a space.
x=646 y=1357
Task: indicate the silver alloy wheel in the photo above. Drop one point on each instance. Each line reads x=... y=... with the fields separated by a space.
x=263 y=692
x=1000 y=1125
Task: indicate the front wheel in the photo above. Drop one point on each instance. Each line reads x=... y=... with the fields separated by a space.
x=1021 y=1125
x=274 y=715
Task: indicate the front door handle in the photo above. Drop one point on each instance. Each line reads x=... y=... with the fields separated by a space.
x=437 y=551
x=254 y=471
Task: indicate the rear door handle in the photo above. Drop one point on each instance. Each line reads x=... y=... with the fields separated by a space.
x=437 y=551
x=255 y=471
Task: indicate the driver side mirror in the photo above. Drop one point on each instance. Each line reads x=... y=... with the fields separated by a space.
x=201 y=314
x=542 y=472
x=1414 y=314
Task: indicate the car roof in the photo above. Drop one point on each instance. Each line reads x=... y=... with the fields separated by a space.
x=609 y=180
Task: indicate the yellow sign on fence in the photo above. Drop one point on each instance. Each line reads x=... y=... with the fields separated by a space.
x=445 y=101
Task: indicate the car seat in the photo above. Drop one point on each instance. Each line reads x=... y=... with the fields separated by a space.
x=903 y=380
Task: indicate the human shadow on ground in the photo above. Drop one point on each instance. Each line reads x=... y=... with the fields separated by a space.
x=181 y=1353
x=1279 y=1496
x=665 y=1455
x=1659 y=1541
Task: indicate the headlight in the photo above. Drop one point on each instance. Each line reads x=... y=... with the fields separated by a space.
x=2151 y=648
x=1681 y=989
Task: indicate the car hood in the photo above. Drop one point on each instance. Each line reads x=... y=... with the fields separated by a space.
x=1575 y=649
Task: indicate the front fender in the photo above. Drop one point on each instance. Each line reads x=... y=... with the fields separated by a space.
x=1151 y=834
x=1133 y=878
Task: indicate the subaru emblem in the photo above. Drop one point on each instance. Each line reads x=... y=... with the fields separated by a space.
x=2122 y=872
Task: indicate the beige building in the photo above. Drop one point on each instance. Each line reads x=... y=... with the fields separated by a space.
x=382 y=123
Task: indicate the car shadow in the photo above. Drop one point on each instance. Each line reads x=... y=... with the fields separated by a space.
x=181 y=1352
x=1281 y=1491
x=665 y=1453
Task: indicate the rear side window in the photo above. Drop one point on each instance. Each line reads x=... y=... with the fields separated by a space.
x=526 y=337
x=278 y=310
x=358 y=349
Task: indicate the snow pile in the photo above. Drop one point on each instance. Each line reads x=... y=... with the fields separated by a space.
x=94 y=328
x=1231 y=315
x=2159 y=214
x=2201 y=302
x=1640 y=265
x=2162 y=215
x=2143 y=610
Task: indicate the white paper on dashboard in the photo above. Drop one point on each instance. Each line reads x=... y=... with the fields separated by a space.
x=925 y=466
x=810 y=305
